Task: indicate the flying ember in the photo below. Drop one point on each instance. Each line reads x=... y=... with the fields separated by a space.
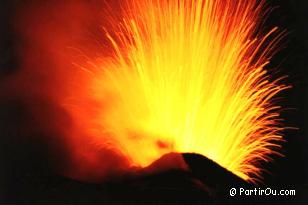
x=189 y=76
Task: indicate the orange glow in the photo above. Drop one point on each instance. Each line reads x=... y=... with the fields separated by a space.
x=187 y=76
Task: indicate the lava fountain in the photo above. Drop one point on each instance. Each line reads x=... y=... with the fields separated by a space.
x=186 y=76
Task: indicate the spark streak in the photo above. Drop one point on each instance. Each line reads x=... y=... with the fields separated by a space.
x=190 y=76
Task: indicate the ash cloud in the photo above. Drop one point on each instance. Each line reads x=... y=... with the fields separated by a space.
x=44 y=41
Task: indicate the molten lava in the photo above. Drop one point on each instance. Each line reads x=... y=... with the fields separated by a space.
x=186 y=76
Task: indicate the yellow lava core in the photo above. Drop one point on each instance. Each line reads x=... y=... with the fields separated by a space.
x=189 y=76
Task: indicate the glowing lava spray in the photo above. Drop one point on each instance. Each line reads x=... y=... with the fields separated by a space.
x=190 y=76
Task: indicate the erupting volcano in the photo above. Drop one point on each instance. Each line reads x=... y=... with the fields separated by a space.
x=185 y=76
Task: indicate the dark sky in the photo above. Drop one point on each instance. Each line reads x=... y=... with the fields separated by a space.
x=23 y=167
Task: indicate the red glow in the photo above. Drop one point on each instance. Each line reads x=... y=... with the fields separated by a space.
x=63 y=50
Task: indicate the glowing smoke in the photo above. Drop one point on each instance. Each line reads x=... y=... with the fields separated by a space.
x=169 y=76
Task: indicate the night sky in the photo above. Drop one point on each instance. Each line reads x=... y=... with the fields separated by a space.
x=27 y=174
